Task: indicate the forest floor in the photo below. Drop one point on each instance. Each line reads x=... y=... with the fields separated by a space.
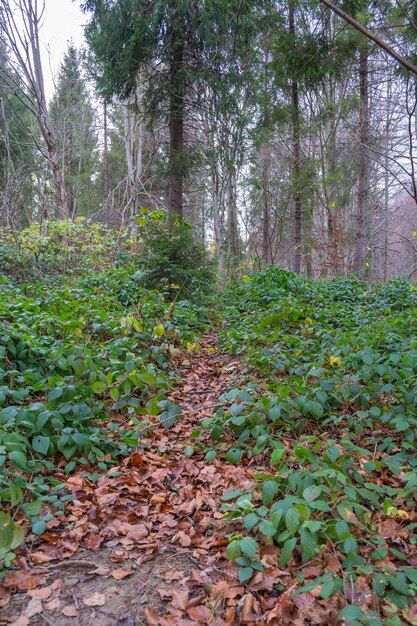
x=146 y=543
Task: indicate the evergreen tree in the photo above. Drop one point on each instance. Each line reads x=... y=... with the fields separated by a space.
x=73 y=122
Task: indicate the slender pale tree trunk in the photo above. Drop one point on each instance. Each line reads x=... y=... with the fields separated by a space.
x=296 y=149
x=232 y=227
x=133 y=131
x=218 y=221
x=364 y=173
x=386 y=174
x=106 y=182
x=265 y=174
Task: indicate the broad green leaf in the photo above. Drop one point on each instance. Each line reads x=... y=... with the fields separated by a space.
x=99 y=386
x=292 y=520
x=286 y=551
x=41 y=444
x=233 y=550
x=245 y=573
x=234 y=456
x=249 y=547
x=269 y=491
x=311 y=493
x=277 y=455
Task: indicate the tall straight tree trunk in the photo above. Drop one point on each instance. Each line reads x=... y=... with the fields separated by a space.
x=176 y=115
x=364 y=174
x=217 y=220
x=106 y=183
x=386 y=173
x=296 y=148
x=265 y=157
x=233 y=234
x=132 y=118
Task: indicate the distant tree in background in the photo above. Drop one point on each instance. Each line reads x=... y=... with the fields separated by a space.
x=73 y=123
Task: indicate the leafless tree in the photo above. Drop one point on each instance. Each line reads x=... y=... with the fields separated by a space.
x=20 y=22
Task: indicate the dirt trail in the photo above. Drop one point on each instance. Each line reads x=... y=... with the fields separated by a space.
x=145 y=543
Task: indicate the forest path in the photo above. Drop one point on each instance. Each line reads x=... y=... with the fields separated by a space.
x=145 y=544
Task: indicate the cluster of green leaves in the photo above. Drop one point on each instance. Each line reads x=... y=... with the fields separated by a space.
x=172 y=260
x=340 y=361
x=74 y=355
x=60 y=246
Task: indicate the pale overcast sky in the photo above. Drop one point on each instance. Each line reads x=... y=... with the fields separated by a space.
x=63 y=22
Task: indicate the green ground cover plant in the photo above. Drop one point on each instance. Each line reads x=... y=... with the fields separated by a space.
x=84 y=364
x=333 y=415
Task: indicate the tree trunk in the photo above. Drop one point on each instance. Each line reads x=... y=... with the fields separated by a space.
x=217 y=221
x=176 y=115
x=386 y=175
x=296 y=147
x=36 y=80
x=106 y=182
x=232 y=228
x=364 y=174
x=132 y=114
x=266 y=236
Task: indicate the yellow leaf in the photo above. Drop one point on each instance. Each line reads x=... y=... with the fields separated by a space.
x=334 y=360
x=159 y=331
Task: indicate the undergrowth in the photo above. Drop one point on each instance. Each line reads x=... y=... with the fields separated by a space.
x=335 y=431
x=84 y=365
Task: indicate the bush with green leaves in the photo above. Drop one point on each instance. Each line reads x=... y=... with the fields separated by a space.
x=56 y=247
x=172 y=260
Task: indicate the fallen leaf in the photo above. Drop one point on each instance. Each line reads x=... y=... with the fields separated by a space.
x=96 y=599
x=151 y=616
x=21 y=621
x=136 y=531
x=52 y=605
x=33 y=608
x=184 y=539
x=410 y=615
x=5 y=595
x=70 y=611
x=179 y=599
x=120 y=573
x=200 y=614
x=100 y=571
x=43 y=593
x=23 y=580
